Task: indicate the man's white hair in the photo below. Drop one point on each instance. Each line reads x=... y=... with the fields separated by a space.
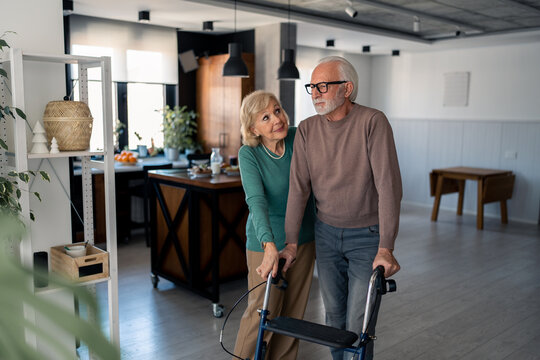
x=346 y=71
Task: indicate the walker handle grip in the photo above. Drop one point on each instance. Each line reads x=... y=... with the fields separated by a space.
x=380 y=271
x=279 y=274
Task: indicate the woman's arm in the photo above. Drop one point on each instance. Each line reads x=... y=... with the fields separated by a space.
x=258 y=208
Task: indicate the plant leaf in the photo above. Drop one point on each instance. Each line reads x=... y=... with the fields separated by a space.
x=37 y=195
x=18 y=194
x=20 y=113
x=32 y=217
x=45 y=176
x=24 y=177
x=32 y=172
x=13 y=173
x=3 y=72
x=12 y=202
x=3 y=144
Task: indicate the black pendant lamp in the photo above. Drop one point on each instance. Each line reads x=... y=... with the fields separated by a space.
x=235 y=66
x=288 y=70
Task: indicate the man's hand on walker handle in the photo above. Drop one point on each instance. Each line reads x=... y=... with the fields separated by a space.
x=289 y=254
x=270 y=261
x=385 y=258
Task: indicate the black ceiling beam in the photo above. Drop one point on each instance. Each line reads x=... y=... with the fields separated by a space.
x=419 y=14
x=266 y=9
x=521 y=5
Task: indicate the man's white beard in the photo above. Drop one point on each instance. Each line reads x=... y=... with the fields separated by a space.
x=329 y=105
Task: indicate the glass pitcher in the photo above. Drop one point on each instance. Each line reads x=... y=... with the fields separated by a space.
x=215 y=161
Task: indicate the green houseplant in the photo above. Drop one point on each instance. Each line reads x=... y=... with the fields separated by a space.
x=180 y=128
x=15 y=279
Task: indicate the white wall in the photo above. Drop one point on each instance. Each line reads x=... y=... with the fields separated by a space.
x=39 y=29
x=500 y=128
x=504 y=83
x=38 y=24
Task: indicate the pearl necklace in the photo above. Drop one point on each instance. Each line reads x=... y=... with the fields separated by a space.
x=272 y=156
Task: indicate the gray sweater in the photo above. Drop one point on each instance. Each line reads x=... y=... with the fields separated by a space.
x=352 y=167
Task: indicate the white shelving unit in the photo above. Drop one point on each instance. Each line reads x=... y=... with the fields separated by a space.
x=30 y=244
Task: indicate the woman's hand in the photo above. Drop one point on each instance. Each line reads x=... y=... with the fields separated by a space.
x=270 y=261
x=289 y=254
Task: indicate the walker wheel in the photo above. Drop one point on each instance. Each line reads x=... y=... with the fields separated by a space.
x=217 y=309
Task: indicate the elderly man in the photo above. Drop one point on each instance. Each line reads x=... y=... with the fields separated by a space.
x=346 y=155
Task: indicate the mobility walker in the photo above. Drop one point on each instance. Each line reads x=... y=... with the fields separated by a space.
x=322 y=334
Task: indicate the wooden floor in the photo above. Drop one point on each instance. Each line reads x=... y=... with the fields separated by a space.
x=462 y=294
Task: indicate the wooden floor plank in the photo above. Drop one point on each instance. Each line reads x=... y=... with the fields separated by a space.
x=462 y=293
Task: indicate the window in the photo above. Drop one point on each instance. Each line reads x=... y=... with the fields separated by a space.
x=144 y=102
x=94 y=91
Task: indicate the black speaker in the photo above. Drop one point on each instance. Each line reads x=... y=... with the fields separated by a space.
x=41 y=269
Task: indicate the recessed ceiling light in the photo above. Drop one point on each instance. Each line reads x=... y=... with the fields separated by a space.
x=208 y=25
x=144 y=16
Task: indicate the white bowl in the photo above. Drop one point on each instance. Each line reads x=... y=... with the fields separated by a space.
x=76 y=251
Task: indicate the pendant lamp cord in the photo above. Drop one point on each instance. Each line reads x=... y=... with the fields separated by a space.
x=235 y=16
x=289 y=26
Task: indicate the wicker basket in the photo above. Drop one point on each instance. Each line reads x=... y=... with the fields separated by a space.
x=70 y=122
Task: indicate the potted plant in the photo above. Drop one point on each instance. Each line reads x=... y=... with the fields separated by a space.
x=118 y=130
x=179 y=131
x=141 y=149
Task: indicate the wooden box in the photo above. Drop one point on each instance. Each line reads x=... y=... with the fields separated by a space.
x=95 y=265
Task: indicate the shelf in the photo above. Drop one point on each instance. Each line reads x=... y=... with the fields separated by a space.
x=88 y=61
x=38 y=239
x=65 y=154
x=52 y=289
x=66 y=59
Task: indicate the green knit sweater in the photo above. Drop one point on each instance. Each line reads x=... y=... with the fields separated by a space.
x=266 y=185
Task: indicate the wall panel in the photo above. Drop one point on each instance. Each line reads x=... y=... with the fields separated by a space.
x=486 y=144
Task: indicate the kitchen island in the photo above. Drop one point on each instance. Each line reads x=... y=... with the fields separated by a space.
x=197 y=231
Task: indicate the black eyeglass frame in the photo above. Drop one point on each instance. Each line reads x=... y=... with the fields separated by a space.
x=310 y=87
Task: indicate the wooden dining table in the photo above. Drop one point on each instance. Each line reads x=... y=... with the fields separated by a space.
x=493 y=185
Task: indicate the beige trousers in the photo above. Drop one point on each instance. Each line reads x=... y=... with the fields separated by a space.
x=290 y=303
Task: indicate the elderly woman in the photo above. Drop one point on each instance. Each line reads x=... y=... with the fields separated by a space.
x=265 y=161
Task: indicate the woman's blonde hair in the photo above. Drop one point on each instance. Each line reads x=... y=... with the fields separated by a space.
x=253 y=104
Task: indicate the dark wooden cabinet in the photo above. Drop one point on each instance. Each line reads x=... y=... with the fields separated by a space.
x=218 y=103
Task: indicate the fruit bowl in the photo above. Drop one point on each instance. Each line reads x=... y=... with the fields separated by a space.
x=126 y=158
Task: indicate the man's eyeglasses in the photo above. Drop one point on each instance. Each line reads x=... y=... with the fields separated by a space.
x=322 y=87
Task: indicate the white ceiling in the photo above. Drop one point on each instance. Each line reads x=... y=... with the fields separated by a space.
x=188 y=15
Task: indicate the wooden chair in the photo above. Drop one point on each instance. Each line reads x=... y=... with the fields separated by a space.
x=142 y=191
x=191 y=157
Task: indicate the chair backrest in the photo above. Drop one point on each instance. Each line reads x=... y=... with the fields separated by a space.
x=146 y=168
x=191 y=157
